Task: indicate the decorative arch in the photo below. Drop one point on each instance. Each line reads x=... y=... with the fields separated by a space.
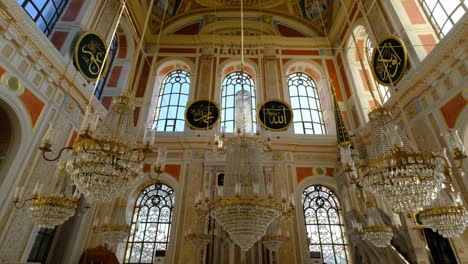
x=233 y=65
x=151 y=224
x=22 y=134
x=313 y=69
x=296 y=23
x=324 y=225
x=153 y=90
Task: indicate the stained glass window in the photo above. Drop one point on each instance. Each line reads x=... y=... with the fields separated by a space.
x=305 y=103
x=443 y=14
x=111 y=57
x=384 y=92
x=325 y=231
x=151 y=224
x=233 y=83
x=173 y=98
x=44 y=13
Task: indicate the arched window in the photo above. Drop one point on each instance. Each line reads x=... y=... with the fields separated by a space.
x=44 y=13
x=173 y=99
x=443 y=14
x=305 y=102
x=111 y=57
x=151 y=224
x=325 y=231
x=233 y=83
x=384 y=92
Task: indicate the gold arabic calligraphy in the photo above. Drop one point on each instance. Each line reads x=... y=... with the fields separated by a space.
x=276 y=115
x=202 y=113
x=388 y=62
x=93 y=56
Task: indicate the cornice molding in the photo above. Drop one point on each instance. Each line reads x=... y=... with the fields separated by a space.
x=249 y=41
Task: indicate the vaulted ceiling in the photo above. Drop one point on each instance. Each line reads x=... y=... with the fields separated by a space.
x=288 y=18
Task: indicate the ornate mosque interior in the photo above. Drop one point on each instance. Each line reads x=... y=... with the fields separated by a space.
x=233 y=131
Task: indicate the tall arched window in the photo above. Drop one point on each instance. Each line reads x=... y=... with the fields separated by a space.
x=111 y=57
x=384 y=92
x=325 y=231
x=305 y=102
x=173 y=98
x=233 y=83
x=151 y=224
x=443 y=14
x=44 y=13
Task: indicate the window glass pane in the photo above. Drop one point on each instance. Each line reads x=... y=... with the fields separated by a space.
x=295 y=102
x=443 y=14
x=44 y=12
x=174 y=98
x=325 y=230
x=232 y=83
x=305 y=103
x=153 y=210
x=31 y=10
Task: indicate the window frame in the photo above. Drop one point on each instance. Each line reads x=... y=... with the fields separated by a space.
x=170 y=124
x=334 y=204
x=311 y=93
x=241 y=81
x=440 y=25
x=49 y=5
x=148 y=195
x=42 y=245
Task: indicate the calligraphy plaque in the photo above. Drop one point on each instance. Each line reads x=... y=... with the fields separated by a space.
x=90 y=51
x=202 y=114
x=275 y=115
x=389 y=61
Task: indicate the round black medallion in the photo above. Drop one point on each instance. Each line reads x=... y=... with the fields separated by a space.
x=90 y=51
x=389 y=61
x=275 y=115
x=202 y=114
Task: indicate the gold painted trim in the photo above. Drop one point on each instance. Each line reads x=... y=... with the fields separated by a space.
x=275 y=100
x=405 y=61
x=75 y=56
x=198 y=100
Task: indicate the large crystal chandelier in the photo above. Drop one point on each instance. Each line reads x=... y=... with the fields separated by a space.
x=104 y=163
x=243 y=208
x=52 y=207
x=405 y=178
x=447 y=217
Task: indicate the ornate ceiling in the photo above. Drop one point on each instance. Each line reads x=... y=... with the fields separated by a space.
x=288 y=18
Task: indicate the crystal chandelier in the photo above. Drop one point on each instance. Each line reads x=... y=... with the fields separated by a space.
x=244 y=207
x=376 y=231
x=50 y=208
x=115 y=230
x=104 y=163
x=447 y=217
x=105 y=159
x=405 y=178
